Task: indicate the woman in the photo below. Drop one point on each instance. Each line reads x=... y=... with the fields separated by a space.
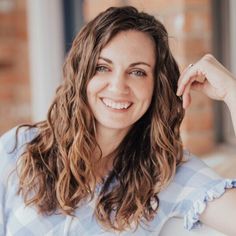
x=109 y=158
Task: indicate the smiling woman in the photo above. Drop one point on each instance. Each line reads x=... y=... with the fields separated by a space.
x=109 y=158
x=121 y=90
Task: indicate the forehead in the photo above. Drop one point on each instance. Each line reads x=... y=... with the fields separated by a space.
x=131 y=43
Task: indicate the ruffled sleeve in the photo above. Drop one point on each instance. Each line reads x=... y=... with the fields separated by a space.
x=191 y=219
x=193 y=186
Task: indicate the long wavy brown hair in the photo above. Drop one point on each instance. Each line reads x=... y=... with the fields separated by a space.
x=55 y=171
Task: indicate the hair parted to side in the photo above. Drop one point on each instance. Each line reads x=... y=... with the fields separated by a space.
x=55 y=171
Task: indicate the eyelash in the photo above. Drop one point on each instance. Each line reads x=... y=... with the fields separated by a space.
x=102 y=69
x=137 y=73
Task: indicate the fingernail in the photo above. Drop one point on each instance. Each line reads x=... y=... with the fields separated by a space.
x=178 y=92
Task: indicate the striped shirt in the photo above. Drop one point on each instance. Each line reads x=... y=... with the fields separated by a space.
x=186 y=196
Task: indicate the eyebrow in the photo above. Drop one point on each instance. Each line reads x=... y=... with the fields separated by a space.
x=132 y=64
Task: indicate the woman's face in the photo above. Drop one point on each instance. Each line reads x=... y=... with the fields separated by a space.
x=121 y=90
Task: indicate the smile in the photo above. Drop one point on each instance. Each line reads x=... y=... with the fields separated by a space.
x=116 y=105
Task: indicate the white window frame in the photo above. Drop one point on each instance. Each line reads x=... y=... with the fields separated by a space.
x=232 y=14
x=46 y=53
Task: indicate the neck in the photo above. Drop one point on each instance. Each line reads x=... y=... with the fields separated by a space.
x=108 y=140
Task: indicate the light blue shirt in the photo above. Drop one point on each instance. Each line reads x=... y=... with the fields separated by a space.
x=186 y=196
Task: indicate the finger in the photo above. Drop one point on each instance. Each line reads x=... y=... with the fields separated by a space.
x=180 y=81
x=192 y=85
x=186 y=96
x=183 y=72
x=201 y=77
x=197 y=86
x=186 y=87
x=192 y=72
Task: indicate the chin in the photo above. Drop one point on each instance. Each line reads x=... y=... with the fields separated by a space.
x=116 y=126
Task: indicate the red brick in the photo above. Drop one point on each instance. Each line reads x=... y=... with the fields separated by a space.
x=157 y=6
x=22 y=65
x=200 y=102
x=17 y=110
x=14 y=68
x=21 y=25
x=198 y=142
x=92 y=8
x=8 y=49
x=7 y=123
x=11 y=78
x=22 y=92
x=7 y=27
x=20 y=5
x=6 y=93
x=198 y=21
x=200 y=120
x=10 y=93
x=202 y=4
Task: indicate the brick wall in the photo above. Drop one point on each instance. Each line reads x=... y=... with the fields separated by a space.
x=189 y=25
x=14 y=69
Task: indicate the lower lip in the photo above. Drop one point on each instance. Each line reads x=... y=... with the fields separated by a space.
x=116 y=110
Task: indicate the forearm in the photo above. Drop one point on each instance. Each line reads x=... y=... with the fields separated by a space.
x=233 y=115
x=231 y=103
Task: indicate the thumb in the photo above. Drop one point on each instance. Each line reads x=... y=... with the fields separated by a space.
x=197 y=86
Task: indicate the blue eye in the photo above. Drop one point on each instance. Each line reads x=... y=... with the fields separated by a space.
x=102 y=69
x=138 y=73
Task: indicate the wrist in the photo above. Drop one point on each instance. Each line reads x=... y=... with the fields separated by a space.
x=230 y=98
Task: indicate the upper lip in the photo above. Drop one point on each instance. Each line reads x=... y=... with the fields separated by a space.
x=117 y=104
x=117 y=100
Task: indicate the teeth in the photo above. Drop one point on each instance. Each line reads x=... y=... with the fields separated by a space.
x=116 y=105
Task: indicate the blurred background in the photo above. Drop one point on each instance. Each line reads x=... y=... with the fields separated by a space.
x=35 y=36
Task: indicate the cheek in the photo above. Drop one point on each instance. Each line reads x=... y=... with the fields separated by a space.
x=89 y=87
x=145 y=91
x=94 y=86
x=92 y=89
x=89 y=93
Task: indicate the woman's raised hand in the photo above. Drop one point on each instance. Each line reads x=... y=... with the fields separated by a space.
x=210 y=77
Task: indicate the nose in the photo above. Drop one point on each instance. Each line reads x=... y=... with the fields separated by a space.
x=118 y=83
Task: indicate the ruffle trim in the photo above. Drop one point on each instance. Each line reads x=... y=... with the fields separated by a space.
x=191 y=219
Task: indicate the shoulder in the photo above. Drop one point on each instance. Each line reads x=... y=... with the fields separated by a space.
x=16 y=137
x=13 y=143
x=193 y=171
x=192 y=177
x=193 y=185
